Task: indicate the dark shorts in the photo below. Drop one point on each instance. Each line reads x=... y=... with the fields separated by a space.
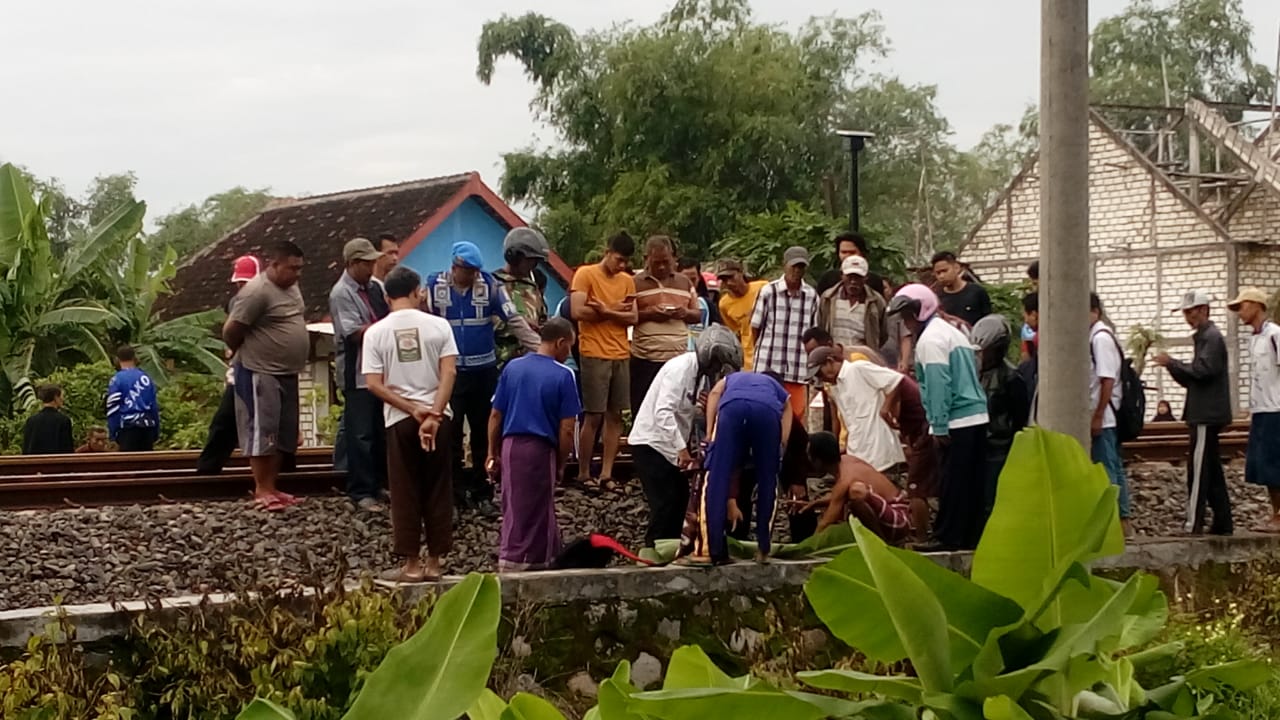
x=606 y=385
x=1262 y=457
x=266 y=412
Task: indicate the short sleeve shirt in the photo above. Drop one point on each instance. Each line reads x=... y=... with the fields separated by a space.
x=535 y=393
x=1264 y=354
x=276 y=342
x=405 y=348
x=605 y=340
x=735 y=313
x=1106 y=365
x=859 y=394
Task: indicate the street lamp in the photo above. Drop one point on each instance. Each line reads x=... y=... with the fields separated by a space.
x=857 y=140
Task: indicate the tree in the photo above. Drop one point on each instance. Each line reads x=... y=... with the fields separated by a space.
x=105 y=194
x=46 y=321
x=683 y=126
x=57 y=309
x=1203 y=47
x=195 y=227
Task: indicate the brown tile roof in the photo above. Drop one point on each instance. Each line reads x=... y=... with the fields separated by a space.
x=320 y=225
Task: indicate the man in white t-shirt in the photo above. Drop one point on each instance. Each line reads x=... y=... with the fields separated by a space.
x=1262 y=458
x=862 y=390
x=410 y=364
x=1105 y=394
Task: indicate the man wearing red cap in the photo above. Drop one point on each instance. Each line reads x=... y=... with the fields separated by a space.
x=223 y=440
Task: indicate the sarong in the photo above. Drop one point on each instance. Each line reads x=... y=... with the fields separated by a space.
x=530 y=538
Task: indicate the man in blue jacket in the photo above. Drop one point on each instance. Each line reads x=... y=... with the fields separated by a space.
x=471 y=300
x=956 y=407
x=133 y=412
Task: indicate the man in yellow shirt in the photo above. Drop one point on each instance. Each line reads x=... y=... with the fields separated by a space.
x=737 y=299
x=603 y=303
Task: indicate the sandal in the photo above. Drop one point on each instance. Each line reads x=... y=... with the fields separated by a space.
x=286 y=498
x=270 y=503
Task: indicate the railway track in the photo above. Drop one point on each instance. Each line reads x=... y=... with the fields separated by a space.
x=127 y=478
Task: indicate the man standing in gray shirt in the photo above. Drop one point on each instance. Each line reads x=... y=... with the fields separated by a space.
x=1207 y=411
x=267 y=331
x=355 y=303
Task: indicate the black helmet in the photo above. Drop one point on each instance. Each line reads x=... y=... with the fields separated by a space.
x=523 y=242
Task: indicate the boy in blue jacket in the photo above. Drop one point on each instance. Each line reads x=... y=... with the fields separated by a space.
x=133 y=412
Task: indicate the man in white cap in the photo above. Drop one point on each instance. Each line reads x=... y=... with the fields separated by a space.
x=1262 y=458
x=852 y=314
x=784 y=309
x=1206 y=412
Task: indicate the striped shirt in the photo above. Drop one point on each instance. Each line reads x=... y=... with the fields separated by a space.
x=781 y=317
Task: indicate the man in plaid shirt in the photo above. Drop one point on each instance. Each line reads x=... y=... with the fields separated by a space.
x=784 y=309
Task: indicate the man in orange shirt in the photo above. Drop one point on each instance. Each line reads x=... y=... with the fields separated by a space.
x=603 y=304
x=737 y=299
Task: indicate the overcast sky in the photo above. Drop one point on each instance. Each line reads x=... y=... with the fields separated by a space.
x=311 y=96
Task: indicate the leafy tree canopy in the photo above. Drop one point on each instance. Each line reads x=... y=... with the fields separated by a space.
x=195 y=227
x=1204 y=48
x=706 y=118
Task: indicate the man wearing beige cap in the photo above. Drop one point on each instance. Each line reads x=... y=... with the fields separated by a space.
x=784 y=309
x=355 y=303
x=849 y=312
x=1262 y=458
x=1207 y=410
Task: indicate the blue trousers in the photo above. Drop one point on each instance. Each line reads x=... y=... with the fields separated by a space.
x=743 y=426
x=1106 y=450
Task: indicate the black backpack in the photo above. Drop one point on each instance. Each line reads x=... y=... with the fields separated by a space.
x=1132 y=412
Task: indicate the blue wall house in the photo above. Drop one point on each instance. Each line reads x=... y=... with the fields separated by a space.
x=427 y=215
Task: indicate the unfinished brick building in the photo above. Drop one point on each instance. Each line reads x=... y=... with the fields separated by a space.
x=1158 y=228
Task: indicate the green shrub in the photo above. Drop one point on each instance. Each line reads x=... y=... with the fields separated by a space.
x=187 y=403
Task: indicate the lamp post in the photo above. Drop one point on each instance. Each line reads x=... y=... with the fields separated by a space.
x=857 y=140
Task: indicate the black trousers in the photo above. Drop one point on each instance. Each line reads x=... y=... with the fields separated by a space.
x=962 y=496
x=1206 y=483
x=471 y=402
x=666 y=489
x=365 y=436
x=643 y=373
x=223 y=439
x=137 y=439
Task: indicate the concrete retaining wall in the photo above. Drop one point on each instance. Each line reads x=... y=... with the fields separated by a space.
x=726 y=595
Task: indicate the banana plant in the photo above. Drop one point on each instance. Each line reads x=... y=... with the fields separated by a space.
x=46 y=317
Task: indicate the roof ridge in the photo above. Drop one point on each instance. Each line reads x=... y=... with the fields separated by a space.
x=1248 y=153
x=375 y=189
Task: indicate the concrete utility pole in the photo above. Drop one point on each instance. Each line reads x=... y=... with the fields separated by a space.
x=1064 y=218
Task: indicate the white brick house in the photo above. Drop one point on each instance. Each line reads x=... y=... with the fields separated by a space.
x=1149 y=240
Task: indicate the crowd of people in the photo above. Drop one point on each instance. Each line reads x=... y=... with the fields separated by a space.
x=464 y=381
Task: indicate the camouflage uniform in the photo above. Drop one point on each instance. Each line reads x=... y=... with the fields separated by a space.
x=531 y=306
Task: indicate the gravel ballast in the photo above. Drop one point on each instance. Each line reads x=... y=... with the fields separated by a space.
x=136 y=552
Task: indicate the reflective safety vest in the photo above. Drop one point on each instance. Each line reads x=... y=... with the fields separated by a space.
x=471 y=314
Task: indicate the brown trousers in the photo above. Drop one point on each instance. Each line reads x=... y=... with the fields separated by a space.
x=421 y=485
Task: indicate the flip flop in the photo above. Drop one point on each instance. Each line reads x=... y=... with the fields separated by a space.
x=286 y=498
x=270 y=503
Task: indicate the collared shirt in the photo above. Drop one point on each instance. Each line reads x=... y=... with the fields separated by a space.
x=664 y=421
x=1264 y=356
x=471 y=314
x=535 y=394
x=781 y=317
x=352 y=307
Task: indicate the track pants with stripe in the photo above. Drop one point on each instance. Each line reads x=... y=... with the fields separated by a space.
x=1206 y=483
